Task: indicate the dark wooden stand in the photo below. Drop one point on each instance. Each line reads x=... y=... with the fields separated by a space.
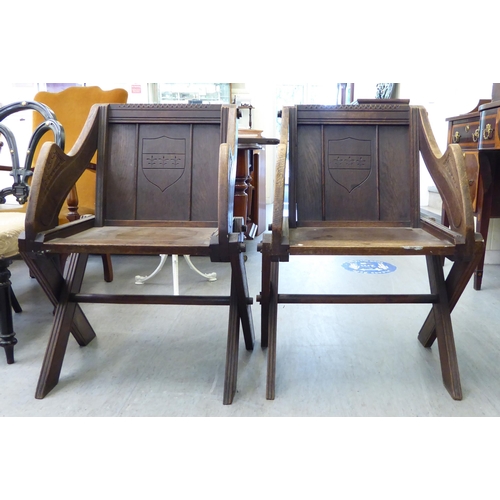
x=250 y=189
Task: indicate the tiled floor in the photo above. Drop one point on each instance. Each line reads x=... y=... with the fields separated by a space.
x=332 y=360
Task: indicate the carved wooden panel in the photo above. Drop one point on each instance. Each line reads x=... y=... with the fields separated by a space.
x=354 y=173
x=351 y=173
x=163 y=172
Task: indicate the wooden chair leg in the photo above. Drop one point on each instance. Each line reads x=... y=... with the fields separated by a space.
x=47 y=271
x=232 y=350
x=238 y=273
x=7 y=335
x=456 y=281
x=63 y=323
x=272 y=330
x=444 y=330
x=264 y=300
x=15 y=303
x=107 y=267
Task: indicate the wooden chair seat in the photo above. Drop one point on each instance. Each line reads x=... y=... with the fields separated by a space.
x=165 y=181
x=367 y=241
x=128 y=240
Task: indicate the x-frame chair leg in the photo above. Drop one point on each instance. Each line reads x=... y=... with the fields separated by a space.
x=68 y=318
x=239 y=276
x=232 y=349
x=444 y=330
x=46 y=269
x=239 y=311
x=456 y=281
x=15 y=303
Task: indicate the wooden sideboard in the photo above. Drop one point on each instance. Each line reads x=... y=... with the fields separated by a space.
x=478 y=133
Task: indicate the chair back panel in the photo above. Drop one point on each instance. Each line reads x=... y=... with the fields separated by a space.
x=161 y=169
x=366 y=173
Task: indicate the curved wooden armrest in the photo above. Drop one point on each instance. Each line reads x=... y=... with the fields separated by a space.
x=448 y=173
x=280 y=225
x=227 y=178
x=55 y=175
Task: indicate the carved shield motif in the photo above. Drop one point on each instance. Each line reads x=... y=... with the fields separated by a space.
x=349 y=162
x=163 y=160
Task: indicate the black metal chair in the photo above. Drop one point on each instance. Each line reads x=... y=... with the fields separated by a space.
x=12 y=219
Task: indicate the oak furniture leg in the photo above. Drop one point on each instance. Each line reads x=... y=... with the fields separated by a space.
x=272 y=327
x=241 y=291
x=46 y=269
x=232 y=350
x=107 y=267
x=264 y=299
x=456 y=281
x=63 y=323
x=444 y=329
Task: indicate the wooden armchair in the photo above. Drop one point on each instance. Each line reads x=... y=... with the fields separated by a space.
x=354 y=190
x=165 y=184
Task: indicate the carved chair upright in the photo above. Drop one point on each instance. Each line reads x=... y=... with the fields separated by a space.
x=165 y=185
x=354 y=190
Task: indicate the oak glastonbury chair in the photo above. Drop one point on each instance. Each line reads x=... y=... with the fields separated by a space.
x=12 y=216
x=354 y=190
x=165 y=184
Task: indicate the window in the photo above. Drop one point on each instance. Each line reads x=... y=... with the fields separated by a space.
x=208 y=93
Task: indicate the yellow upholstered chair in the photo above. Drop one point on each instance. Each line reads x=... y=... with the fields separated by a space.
x=71 y=107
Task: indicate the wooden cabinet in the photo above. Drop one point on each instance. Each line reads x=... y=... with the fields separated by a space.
x=465 y=130
x=478 y=133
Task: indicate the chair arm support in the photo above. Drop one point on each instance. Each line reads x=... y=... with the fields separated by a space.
x=55 y=175
x=280 y=225
x=227 y=177
x=448 y=173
